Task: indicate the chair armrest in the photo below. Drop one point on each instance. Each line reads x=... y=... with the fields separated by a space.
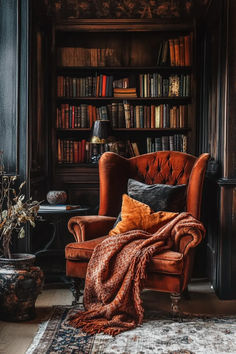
x=187 y=236
x=88 y=227
x=186 y=242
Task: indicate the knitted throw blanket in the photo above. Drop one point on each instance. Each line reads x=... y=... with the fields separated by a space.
x=117 y=271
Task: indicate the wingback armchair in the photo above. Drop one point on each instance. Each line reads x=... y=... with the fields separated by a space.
x=169 y=271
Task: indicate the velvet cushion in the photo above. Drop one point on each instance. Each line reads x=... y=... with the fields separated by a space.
x=139 y=216
x=163 y=197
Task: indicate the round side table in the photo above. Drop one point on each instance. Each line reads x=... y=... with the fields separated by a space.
x=51 y=254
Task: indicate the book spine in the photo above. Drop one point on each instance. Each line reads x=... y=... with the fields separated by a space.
x=114 y=115
x=152 y=116
x=127 y=115
x=177 y=52
x=187 y=48
x=172 y=52
x=83 y=116
x=104 y=84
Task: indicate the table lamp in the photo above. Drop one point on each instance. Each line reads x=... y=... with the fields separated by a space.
x=100 y=133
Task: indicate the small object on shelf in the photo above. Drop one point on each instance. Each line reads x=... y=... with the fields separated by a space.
x=56 y=197
x=100 y=131
x=125 y=92
x=52 y=207
x=100 y=134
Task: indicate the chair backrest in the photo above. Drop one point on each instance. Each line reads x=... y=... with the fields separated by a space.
x=165 y=167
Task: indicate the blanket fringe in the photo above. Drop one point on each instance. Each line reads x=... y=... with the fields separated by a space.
x=99 y=326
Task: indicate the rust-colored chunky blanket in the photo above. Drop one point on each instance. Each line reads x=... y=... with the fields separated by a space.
x=116 y=274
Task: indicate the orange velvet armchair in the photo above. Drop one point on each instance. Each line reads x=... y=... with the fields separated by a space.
x=169 y=271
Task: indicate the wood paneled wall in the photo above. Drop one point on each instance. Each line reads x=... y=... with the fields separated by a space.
x=217 y=128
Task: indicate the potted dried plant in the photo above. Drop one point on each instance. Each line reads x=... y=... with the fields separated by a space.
x=20 y=280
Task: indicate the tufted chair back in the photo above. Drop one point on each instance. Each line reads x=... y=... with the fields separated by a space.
x=164 y=167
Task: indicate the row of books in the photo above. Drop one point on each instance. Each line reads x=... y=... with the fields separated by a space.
x=82 y=116
x=89 y=86
x=72 y=151
x=123 y=115
x=79 y=56
x=176 y=51
x=150 y=85
x=177 y=142
x=151 y=116
x=155 y=85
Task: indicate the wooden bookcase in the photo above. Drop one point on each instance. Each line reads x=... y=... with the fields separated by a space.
x=87 y=51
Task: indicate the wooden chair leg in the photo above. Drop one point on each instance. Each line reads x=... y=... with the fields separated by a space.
x=175 y=298
x=77 y=285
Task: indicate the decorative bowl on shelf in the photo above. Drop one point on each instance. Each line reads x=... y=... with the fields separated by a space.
x=56 y=197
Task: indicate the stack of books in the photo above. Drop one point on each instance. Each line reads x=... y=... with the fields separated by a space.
x=125 y=92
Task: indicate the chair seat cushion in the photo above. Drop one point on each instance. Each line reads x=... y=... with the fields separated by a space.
x=168 y=262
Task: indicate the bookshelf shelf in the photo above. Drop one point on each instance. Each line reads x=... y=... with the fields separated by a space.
x=124 y=129
x=122 y=25
x=73 y=129
x=95 y=60
x=118 y=99
x=78 y=165
x=150 y=129
x=125 y=68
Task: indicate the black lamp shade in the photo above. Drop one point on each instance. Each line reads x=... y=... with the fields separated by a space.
x=100 y=131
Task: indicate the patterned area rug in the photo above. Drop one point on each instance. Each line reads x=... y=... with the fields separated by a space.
x=158 y=334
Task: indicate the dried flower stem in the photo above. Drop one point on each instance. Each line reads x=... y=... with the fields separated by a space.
x=15 y=211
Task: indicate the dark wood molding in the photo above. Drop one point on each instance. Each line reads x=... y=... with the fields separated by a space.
x=9 y=83
x=121 y=25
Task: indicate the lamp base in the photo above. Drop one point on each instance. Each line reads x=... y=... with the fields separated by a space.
x=95 y=158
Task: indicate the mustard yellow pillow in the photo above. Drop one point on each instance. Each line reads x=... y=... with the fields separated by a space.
x=136 y=215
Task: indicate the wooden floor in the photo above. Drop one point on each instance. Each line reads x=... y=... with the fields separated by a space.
x=15 y=338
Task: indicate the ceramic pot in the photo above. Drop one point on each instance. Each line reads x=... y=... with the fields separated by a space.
x=56 y=197
x=20 y=284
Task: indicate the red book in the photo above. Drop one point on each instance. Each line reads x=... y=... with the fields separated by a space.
x=177 y=52
x=76 y=151
x=73 y=117
x=104 y=83
x=80 y=151
x=145 y=117
x=187 y=48
x=97 y=85
x=83 y=143
x=58 y=119
x=90 y=114
x=59 y=154
x=94 y=113
x=181 y=51
x=172 y=52
x=63 y=120
x=67 y=108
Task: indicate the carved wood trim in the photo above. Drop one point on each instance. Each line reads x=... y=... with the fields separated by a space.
x=120 y=25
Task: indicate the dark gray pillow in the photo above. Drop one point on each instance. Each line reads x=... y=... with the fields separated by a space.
x=163 y=197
